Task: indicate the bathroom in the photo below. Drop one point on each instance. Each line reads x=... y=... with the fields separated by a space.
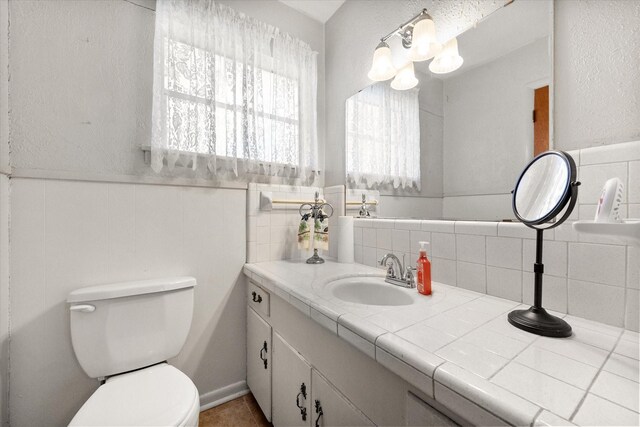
x=90 y=196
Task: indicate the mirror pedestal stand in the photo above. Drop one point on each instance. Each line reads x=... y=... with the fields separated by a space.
x=536 y=319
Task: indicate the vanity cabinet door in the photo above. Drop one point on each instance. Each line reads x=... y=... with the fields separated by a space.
x=331 y=408
x=259 y=360
x=291 y=385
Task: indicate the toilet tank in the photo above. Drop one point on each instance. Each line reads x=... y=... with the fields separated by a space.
x=120 y=327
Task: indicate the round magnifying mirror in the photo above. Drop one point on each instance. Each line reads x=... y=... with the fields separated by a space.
x=544 y=188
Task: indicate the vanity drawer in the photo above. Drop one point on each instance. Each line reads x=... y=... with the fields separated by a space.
x=258 y=299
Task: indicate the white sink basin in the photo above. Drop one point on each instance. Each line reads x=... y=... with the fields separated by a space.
x=370 y=291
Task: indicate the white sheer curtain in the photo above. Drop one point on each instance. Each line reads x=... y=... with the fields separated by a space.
x=383 y=137
x=232 y=90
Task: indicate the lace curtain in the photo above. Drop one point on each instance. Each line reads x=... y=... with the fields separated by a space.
x=383 y=137
x=232 y=90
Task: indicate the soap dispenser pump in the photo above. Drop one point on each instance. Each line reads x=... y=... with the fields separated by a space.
x=424 y=270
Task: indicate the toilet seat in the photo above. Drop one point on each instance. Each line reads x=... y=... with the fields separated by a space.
x=159 y=395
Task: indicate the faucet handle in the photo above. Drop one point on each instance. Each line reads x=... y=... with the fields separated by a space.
x=389 y=265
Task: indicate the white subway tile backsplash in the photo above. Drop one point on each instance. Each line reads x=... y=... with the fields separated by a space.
x=593 y=178
x=471 y=276
x=443 y=245
x=597 y=263
x=631 y=318
x=401 y=241
x=357 y=236
x=633 y=186
x=384 y=238
x=611 y=153
x=476 y=227
x=504 y=252
x=438 y=226
x=263 y=235
x=587 y=275
x=369 y=237
x=554 y=291
x=443 y=271
x=633 y=267
x=504 y=283
x=408 y=224
x=470 y=248
x=554 y=257
x=595 y=301
x=515 y=229
x=420 y=236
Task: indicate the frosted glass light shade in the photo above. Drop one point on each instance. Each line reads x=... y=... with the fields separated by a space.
x=424 y=44
x=382 y=67
x=405 y=79
x=448 y=60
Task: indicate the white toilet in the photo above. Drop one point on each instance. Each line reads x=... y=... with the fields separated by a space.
x=124 y=333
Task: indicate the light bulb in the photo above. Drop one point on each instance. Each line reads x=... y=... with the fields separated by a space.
x=424 y=44
x=448 y=60
x=405 y=79
x=382 y=67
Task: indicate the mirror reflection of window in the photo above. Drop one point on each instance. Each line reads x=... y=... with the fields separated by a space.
x=383 y=137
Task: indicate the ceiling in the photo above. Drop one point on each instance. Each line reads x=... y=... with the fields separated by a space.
x=320 y=10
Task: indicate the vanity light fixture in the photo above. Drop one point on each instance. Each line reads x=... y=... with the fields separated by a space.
x=448 y=60
x=405 y=79
x=418 y=36
x=382 y=68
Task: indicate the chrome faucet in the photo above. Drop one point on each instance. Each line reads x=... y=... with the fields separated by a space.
x=364 y=212
x=400 y=276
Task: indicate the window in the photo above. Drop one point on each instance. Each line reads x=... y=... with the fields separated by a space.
x=242 y=96
x=383 y=137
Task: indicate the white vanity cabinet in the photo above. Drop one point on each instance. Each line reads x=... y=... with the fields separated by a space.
x=259 y=360
x=291 y=385
x=330 y=408
x=302 y=374
x=303 y=397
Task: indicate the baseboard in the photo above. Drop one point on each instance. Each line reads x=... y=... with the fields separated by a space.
x=223 y=395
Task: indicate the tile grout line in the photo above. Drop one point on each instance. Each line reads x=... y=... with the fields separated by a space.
x=595 y=378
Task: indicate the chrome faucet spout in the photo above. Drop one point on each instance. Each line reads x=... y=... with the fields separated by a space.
x=398 y=276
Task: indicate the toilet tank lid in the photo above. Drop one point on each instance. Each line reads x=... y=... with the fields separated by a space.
x=126 y=289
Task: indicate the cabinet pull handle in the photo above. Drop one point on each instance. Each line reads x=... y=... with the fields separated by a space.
x=303 y=409
x=319 y=412
x=255 y=297
x=264 y=359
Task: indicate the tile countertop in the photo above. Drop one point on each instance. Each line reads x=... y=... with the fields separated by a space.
x=458 y=343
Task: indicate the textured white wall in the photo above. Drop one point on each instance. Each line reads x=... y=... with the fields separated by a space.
x=70 y=234
x=81 y=83
x=597 y=58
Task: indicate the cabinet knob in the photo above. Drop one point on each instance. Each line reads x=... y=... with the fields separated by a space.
x=264 y=359
x=319 y=412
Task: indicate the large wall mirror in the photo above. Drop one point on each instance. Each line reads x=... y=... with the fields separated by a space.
x=478 y=126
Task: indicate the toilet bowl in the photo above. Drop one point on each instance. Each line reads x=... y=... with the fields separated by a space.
x=160 y=395
x=124 y=333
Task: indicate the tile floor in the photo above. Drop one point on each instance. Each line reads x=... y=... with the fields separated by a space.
x=241 y=412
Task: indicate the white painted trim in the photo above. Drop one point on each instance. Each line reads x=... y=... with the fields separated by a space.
x=125 y=179
x=223 y=395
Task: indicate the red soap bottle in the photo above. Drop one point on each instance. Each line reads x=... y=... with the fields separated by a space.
x=424 y=270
